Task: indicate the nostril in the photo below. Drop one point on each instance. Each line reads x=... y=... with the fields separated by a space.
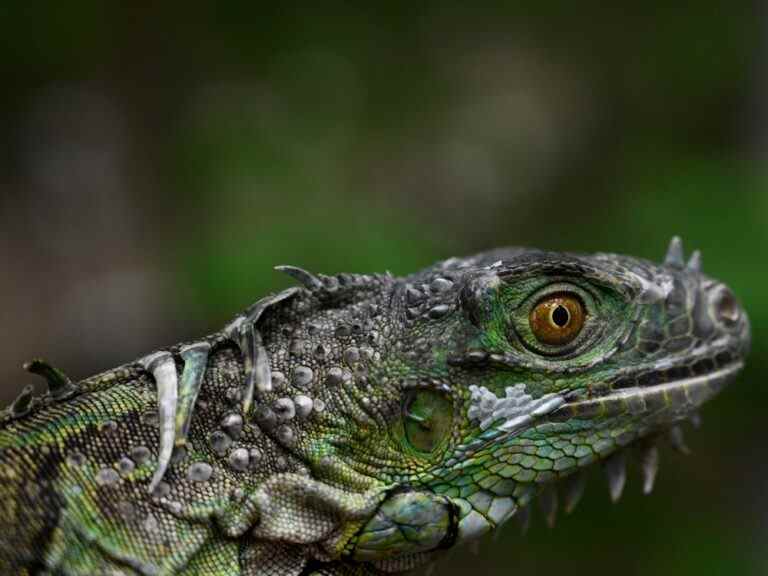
x=726 y=309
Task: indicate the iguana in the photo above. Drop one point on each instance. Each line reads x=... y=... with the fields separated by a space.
x=363 y=424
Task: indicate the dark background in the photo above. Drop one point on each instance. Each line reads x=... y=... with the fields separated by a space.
x=157 y=161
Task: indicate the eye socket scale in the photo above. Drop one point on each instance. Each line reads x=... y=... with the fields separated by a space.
x=557 y=319
x=427 y=418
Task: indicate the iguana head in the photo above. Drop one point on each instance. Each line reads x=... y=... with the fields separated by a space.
x=489 y=377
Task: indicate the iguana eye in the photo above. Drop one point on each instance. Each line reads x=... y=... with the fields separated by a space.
x=427 y=417
x=557 y=319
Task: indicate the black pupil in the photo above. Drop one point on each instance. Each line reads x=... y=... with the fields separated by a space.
x=560 y=316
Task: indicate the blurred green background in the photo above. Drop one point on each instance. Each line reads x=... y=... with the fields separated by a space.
x=158 y=160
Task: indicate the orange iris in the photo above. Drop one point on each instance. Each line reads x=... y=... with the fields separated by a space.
x=557 y=319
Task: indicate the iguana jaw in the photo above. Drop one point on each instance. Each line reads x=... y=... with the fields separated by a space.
x=676 y=399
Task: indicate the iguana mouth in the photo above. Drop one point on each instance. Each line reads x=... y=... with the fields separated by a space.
x=679 y=397
x=660 y=406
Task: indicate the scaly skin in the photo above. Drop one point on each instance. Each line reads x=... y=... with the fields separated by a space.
x=362 y=424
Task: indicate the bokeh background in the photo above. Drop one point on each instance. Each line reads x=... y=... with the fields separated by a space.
x=157 y=160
